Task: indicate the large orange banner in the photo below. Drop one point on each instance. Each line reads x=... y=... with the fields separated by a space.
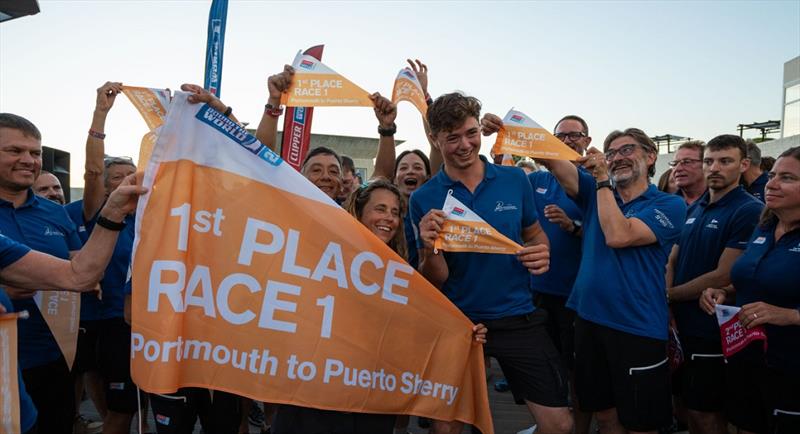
x=9 y=386
x=248 y=279
x=316 y=85
x=521 y=135
x=466 y=231
x=62 y=313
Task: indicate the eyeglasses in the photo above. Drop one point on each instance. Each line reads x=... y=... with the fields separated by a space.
x=684 y=162
x=624 y=150
x=110 y=161
x=575 y=135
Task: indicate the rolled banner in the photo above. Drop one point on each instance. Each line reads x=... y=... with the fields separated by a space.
x=151 y=103
x=466 y=231
x=521 y=135
x=408 y=88
x=734 y=335
x=316 y=85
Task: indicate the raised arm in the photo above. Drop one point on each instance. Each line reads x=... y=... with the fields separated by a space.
x=386 y=113
x=267 y=130
x=434 y=155
x=37 y=270
x=94 y=192
x=201 y=95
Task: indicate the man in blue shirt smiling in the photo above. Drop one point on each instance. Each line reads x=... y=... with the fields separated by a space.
x=621 y=371
x=717 y=228
x=491 y=288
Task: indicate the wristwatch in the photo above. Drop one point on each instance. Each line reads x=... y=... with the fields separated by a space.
x=577 y=225
x=387 y=132
x=605 y=184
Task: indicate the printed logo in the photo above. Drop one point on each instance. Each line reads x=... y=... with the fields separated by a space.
x=307 y=64
x=714 y=224
x=503 y=207
x=81 y=228
x=760 y=240
x=408 y=74
x=458 y=211
x=795 y=249
x=235 y=132
x=300 y=115
x=516 y=118
x=663 y=219
x=690 y=220
x=161 y=419
x=116 y=386
x=48 y=231
x=541 y=190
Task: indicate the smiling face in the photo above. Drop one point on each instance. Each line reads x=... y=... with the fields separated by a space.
x=571 y=132
x=324 y=171
x=782 y=192
x=410 y=174
x=460 y=147
x=689 y=171
x=628 y=169
x=20 y=160
x=381 y=214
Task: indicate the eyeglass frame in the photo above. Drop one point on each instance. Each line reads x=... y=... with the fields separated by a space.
x=629 y=148
x=110 y=161
x=684 y=162
x=580 y=135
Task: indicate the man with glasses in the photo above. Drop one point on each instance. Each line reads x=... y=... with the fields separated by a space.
x=687 y=171
x=517 y=337
x=629 y=227
x=717 y=229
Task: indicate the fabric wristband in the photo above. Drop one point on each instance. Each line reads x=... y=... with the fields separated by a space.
x=97 y=134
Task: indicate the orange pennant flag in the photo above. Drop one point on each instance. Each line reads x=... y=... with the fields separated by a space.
x=61 y=311
x=152 y=105
x=408 y=88
x=466 y=231
x=521 y=135
x=299 y=302
x=9 y=385
x=316 y=85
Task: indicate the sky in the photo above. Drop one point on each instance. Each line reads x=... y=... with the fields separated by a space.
x=688 y=68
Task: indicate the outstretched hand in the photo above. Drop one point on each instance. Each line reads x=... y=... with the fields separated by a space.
x=122 y=201
x=106 y=95
x=279 y=83
x=490 y=124
x=421 y=70
x=385 y=110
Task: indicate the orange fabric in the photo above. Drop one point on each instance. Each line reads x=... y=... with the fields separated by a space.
x=9 y=386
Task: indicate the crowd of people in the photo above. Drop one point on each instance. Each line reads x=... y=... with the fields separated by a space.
x=580 y=320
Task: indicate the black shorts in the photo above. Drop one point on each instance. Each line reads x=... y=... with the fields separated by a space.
x=560 y=325
x=86 y=354
x=614 y=369
x=114 y=361
x=290 y=419
x=529 y=360
x=781 y=394
x=177 y=413
x=702 y=376
x=52 y=390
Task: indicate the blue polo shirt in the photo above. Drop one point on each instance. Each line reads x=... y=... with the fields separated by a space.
x=44 y=226
x=10 y=252
x=710 y=228
x=767 y=271
x=756 y=188
x=411 y=240
x=624 y=289
x=116 y=275
x=485 y=286
x=565 y=248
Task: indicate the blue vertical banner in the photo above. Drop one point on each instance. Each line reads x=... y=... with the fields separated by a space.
x=215 y=45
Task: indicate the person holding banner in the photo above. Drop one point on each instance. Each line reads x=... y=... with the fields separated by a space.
x=716 y=231
x=503 y=198
x=629 y=227
x=763 y=390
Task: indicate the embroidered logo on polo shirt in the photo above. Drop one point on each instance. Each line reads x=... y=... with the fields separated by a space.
x=503 y=207
x=161 y=419
x=116 y=386
x=795 y=249
x=713 y=224
x=690 y=220
x=48 y=231
x=541 y=190
x=760 y=240
x=663 y=219
x=81 y=228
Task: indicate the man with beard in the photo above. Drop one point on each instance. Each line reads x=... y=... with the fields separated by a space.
x=629 y=227
x=48 y=186
x=687 y=171
x=718 y=227
x=517 y=337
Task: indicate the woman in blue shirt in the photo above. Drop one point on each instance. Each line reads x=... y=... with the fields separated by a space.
x=765 y=384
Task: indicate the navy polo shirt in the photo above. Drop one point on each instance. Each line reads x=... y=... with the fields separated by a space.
x=485 y=286
x=624 y=289
x=411 y=240
x=44 y=226
x=710 y=228
x=767 y=271
x=756 y=188
x=565 y=248
x=10 y=252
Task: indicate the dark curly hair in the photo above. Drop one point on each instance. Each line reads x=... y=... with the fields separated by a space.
x=360 y=197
